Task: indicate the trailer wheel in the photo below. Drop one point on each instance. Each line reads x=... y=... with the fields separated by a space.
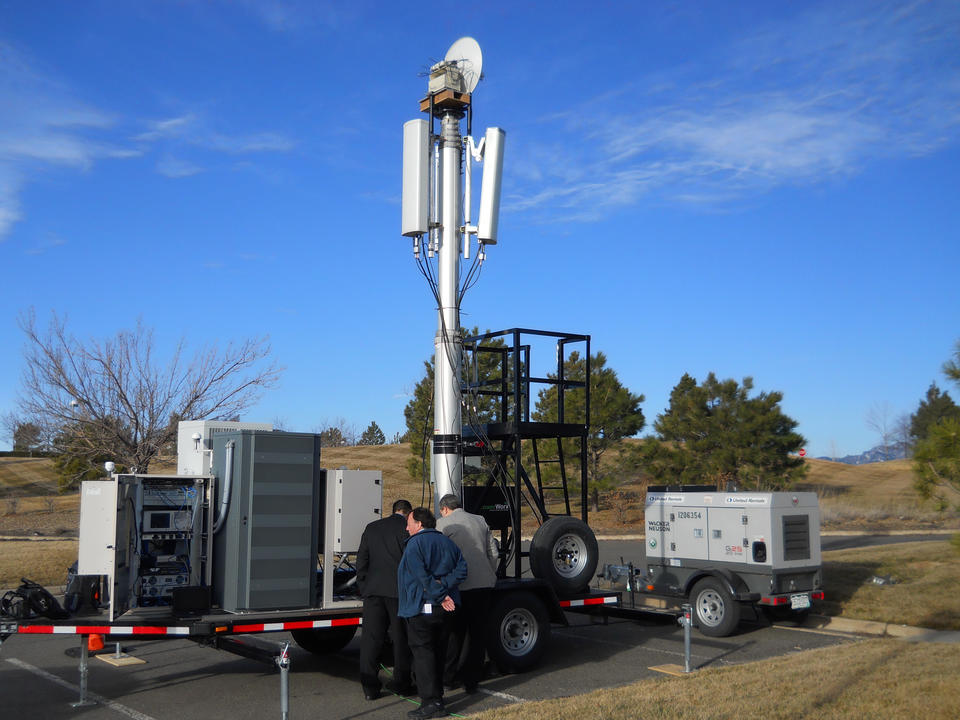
x=324 y=640
x=518 y=631
x=564 y=552
x=718 y=613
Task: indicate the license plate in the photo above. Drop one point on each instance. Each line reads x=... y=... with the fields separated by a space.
x=799 y=602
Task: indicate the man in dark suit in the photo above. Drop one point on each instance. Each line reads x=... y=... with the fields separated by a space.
x=381 y=548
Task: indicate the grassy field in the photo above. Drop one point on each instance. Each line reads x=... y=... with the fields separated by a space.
x=20 y=477
x=877 y=497
x=925 y=589
x=870 y=679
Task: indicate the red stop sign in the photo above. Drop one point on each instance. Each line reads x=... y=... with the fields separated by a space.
x=803 y=452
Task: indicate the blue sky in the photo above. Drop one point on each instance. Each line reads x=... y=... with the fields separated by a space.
x=754 y=188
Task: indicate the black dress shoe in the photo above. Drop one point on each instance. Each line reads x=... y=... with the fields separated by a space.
x=371 y=694
x=428 y=710
x=471 y=689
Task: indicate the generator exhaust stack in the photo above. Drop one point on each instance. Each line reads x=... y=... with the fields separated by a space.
x=436 y=213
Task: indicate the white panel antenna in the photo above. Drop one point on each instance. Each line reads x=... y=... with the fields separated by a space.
x=489 y=217
x=416 y=177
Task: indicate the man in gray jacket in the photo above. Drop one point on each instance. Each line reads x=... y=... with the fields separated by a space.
x=466 y=647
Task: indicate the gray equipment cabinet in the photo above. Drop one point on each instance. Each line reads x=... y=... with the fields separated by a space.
x=267 y=509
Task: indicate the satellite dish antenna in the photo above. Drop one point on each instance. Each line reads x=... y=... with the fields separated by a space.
x=465 y=52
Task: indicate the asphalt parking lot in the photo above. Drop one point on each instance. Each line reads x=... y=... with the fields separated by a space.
x=179 y=679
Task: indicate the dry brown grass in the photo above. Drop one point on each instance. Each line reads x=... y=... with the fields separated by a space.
x=926 y=592
x=877 y=496
x=21 y=477
x=870 y=679
x=43 y=561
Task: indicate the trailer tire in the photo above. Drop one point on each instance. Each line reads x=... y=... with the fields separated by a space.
x=564 y=553
x=324 y=640
x=717 y=611
x=518 y=631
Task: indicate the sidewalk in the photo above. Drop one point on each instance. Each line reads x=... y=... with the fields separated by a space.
x=880 y=629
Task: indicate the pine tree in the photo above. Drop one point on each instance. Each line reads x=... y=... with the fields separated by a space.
x=716 y=434
x=419 y=410
x=419 y=417
x=935 y=406
x=614 y=414
x=936 y=457
x=373 y=435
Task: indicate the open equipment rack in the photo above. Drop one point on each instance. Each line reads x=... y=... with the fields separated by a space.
x=499 y=426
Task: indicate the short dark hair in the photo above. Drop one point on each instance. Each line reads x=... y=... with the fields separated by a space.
x=403 y=506
x=423 y=516
x=450 y=501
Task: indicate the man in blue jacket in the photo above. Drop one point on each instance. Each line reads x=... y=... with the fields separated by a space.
x=430 y=570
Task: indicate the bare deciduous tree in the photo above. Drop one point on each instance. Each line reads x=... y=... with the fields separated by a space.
x=115 y=398
x=879 y=420
x=337 y=433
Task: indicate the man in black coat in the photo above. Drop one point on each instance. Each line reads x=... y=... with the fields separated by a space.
x=381 y=548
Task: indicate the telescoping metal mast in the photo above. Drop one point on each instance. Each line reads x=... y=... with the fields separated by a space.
x=436 y=211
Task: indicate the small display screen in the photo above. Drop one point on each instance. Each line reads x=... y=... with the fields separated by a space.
x=159 y=521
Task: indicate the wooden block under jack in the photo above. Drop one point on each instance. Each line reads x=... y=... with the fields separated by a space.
x=672 y=669
x=122 y=660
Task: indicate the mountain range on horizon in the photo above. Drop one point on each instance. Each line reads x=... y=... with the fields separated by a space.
x=878 y=453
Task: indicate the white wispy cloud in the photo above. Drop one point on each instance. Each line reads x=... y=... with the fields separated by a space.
x=170 y=127
x=288 y=16
x=822 y=96
x=44 y=125
x=242 y=144
x=173 y=167
x=189 y=135
x=47 y=243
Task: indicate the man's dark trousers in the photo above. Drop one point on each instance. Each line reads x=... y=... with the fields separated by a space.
x=467 y=644
x=427 y=636
x=378 y=613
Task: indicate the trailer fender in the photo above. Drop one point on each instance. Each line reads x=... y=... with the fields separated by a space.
x=542 y=589
x=733 y=583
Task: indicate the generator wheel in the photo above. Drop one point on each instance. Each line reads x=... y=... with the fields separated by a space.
x=718 y=612
x=324 y=640
x=564 y=552
x=518 y=631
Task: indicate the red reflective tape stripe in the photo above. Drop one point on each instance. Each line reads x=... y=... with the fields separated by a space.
x=93 y=629
x=248 y=628
x=337 y=622
x=298 y=625
x=588 y=601
x=35 y=629
x=149 y=630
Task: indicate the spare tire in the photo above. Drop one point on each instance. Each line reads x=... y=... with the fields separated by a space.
x=564 y=553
